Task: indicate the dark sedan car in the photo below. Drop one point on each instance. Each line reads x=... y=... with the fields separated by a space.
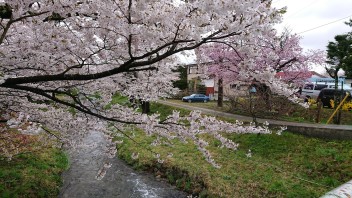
x=196 y=98
x=327 y=94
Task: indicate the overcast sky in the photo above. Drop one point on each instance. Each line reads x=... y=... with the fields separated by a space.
x=304 y=15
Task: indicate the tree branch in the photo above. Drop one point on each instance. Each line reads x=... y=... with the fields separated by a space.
x=279 y=68
x=55 y=99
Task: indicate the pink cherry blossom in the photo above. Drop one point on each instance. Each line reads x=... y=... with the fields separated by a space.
x=61 y=62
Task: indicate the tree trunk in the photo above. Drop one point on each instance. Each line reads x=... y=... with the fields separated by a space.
x=145 y=107
x=195 y=86
x=252 y=109
x=220 y=93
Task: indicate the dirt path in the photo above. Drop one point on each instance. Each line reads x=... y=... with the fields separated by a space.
x=119 y=181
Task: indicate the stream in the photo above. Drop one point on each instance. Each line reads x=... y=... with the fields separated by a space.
x=120 y=180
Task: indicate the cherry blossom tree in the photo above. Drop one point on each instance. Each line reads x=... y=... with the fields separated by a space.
x=274 y=53
x=61 y=62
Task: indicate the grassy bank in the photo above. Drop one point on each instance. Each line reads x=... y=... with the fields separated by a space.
x=33 y=173
x=281 y=166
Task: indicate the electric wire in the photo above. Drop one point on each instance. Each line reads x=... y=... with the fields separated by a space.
x=302 y=9
x=325 y=24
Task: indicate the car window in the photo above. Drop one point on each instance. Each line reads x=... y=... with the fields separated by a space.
x=308 y=86
x=320 y=87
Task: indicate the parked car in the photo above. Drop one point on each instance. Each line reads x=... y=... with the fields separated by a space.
x=196 y=98
x=347 y=87
x=327 y=94
x=312 y=90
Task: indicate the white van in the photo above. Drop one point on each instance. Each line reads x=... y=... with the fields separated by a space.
x=312 y=90
x=345 y=86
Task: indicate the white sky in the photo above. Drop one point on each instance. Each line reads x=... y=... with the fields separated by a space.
x=304 y=15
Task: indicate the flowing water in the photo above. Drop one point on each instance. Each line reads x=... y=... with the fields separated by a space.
x=120 y=180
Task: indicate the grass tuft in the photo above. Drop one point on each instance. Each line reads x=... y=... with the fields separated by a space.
x=33 y=173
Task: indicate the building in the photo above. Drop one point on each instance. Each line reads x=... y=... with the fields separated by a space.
x=196 y=76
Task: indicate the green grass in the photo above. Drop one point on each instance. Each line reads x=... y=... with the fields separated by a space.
x=165 y=110
x=281 y=166
x=33 y=174
x=118 y=99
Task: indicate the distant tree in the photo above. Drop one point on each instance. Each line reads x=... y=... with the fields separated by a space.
x=347 y=67
x=182 y=82
x=339 y=56
x=273 y=53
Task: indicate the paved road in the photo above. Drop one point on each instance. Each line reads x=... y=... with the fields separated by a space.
x=330 y=131
x=120 y=180
x=219 y=113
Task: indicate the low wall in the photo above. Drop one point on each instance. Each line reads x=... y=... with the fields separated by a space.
x=329 y=133
x=335 y=132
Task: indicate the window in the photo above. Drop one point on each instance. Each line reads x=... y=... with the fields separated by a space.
x=193 y=70
x=320 y=87
x=233 y=86
x=308 y=86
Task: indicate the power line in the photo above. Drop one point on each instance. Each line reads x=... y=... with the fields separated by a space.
x=324 y=24
x=300 y=10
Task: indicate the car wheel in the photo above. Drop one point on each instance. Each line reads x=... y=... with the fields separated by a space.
x=205 y=101
x=189 y=101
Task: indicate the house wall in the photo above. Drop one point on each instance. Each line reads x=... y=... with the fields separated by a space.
x=194 y=71
x=197 y=72
x=234 y=88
